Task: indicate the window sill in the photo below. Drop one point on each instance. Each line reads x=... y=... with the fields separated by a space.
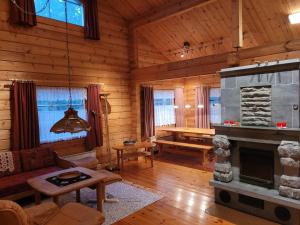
x=68 y=147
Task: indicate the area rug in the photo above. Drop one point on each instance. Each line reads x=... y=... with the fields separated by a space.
x=131 y=199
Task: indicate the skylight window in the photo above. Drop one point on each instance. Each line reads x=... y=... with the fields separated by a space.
x=56 y=10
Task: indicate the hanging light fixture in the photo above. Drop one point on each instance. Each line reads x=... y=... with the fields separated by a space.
x=185 y=50
x=71 y=122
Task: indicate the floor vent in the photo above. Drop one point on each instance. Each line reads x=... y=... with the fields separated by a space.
x=254 y=202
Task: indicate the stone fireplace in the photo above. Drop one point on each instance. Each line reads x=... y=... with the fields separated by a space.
x=257 y=168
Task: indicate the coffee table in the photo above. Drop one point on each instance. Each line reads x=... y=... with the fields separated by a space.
x=41 y=185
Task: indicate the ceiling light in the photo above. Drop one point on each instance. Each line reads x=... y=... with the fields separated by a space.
x=200 y=106
x=187 y=106
x=71 y=122
x=176 y=106
x=294 y=18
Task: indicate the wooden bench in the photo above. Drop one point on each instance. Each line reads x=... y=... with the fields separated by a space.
x=202 y=147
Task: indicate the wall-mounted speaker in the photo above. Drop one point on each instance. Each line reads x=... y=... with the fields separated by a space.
x=225 y=196
x=282 y=213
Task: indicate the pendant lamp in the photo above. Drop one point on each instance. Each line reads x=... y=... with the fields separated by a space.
x=71 y=122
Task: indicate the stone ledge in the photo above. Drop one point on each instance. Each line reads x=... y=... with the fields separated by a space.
x=289 y=192
x=293 y=182
x=269 y=195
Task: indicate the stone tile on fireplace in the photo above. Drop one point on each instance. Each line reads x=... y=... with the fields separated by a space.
x=283 y=113
x=285 y=94
x=284 y=77
x=230 y=97
x=256 y=80
x=295 y=76
x=296 y=119
x=230 y=113
x=230 y=82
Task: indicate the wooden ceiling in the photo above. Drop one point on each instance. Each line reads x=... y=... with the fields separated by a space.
x=208 y=27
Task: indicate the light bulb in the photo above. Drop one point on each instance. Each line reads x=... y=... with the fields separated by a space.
x=187 y=106
x=176 y=106
x=200 y=106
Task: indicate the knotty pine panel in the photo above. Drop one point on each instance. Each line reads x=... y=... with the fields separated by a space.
x=39 y=54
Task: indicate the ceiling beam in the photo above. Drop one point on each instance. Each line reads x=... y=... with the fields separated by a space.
x=212 y=64
x=237 y=23
x=167 y=11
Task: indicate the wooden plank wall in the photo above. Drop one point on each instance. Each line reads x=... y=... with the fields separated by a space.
x=148 y=55
x=39 y=54
x=188 y=84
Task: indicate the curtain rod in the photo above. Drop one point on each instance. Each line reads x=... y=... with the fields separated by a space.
x=37 y=83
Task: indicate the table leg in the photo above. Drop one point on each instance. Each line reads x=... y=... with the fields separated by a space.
x=118 y=159
x=78 y=195
x=37 y=197
x=100 y=199
x=160 y=149
x=56 y=200
x=205 y=158
x=122 y=160
x=152 y=156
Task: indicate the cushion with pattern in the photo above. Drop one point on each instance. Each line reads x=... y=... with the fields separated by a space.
x=17 y=165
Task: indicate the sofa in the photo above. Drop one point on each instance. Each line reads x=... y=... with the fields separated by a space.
x=49 y=214
x=28 y=163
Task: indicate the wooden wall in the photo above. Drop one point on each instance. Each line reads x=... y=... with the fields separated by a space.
x=39 y=54
x=188 y=84
x=148 y=55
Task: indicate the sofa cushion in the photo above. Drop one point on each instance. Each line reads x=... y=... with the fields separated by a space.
x=37 y=158
x=10 y=185
x=17 y=165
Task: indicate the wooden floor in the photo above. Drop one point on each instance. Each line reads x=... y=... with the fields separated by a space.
x=188 y=198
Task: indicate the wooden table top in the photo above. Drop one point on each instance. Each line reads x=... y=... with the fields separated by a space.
x=43 y=186
x=189 y=130
x=137 y=145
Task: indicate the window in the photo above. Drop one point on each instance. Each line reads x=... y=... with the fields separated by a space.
x=164 y=107
x=56 y=10
x=215 y=105
x=52 y=102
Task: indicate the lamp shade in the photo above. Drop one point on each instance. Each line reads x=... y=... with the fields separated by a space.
x=70 y=123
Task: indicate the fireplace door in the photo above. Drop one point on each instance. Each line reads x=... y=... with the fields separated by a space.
x=257 y=167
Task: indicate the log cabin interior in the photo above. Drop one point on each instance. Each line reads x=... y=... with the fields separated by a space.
x=148 y=112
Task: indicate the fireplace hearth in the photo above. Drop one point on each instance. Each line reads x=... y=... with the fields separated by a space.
x=257 y=167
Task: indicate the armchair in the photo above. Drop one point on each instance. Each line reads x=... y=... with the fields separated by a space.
x=48 y=214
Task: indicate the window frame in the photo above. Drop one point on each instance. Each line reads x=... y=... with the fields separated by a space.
x=62 y=21
x=173 y=104
x=218 y=102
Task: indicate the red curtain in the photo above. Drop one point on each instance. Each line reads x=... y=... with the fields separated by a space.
x=91 y=19
x=18 y=15
x=179 y=111
x=95 y=135
x=202 y=107
x=147 y=112
x=25 y=128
